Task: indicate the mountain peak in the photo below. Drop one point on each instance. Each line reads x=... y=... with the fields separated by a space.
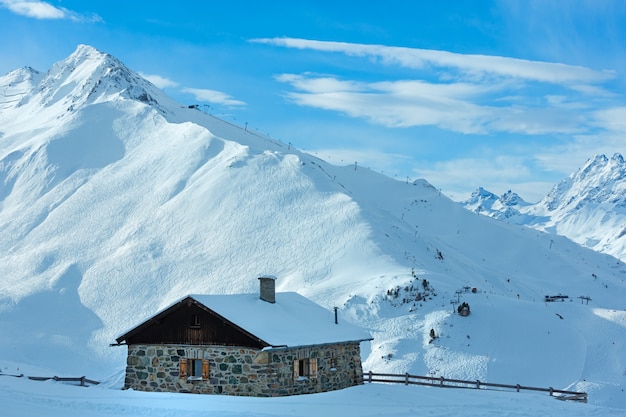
x=599 y=159
x=86 y=51
x=511 y=199
x=16 y=84
x=85 y=58
x=487 y=203
x=601 y=162
x=22 y=73
x=481 y=194
x=588 y=206
x=89 y=76
x=600 y=170
x=599 y=180
x=480 y=200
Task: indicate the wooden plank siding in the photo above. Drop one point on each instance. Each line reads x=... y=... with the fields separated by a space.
x=189 y=323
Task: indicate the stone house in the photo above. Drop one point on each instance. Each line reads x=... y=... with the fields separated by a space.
x=274 y=345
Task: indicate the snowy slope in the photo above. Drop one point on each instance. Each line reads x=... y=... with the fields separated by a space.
x=16 y=84
x=115 y=201
x=589 y=206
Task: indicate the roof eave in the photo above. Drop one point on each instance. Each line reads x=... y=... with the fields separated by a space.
x=343 y=342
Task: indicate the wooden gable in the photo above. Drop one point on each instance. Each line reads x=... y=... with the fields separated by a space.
x=191 y=323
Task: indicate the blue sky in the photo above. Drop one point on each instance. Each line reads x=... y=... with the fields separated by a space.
x=499 y=94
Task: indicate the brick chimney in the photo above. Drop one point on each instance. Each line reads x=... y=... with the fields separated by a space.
x=268 y=288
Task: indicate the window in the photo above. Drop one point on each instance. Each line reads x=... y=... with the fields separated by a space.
x=195 y=322
x=194 y=369
x=304 y=369
x=333 y=364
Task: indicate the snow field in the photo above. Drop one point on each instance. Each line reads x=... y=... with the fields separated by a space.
x=23 y=398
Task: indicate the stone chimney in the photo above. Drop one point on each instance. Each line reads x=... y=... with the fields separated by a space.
x=268 y=288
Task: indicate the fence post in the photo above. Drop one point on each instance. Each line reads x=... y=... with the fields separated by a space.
x=455 y=383
x=82 y=381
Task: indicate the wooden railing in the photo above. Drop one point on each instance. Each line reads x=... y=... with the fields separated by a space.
x=83 y=381
x=408 y=379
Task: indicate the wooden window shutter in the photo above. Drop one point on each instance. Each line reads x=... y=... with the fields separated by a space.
x=183 y=368
x=205 y=369
x=313 y=368
x=296 y=369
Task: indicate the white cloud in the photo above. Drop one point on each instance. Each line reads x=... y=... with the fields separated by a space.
x=33 y=8
x=470 y=94
x=538 y=120
x=507 y=168
x=320 y=85
x=159 y=81
x=471 y=65
x=214 y=96
x=391 y=104
x=37 y=9
x=612 y=119
x=454 y=106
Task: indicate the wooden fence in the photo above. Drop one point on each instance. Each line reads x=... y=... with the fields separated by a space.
x=83 y=381
x=408 y=379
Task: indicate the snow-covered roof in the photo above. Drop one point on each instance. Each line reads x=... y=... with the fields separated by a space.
x=293 y=320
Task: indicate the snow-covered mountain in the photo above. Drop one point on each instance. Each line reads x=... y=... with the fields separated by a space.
x=504 y=207
x=116 y=201
x=588 y=207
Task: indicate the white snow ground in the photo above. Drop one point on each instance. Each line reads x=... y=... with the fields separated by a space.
x=20 y=397
x=115 y=201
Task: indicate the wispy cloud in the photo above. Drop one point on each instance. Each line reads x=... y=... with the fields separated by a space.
x=159 y=81
x=214 y=96
x=612 y=119
x=456 y=107
x=470 y=65
x=465 y=93
x=37 y=9
x=507 y=168
x=200 y=94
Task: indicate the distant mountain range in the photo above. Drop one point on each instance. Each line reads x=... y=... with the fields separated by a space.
x=589 y=206
x=116 y=200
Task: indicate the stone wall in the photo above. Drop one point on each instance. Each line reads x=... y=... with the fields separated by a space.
x=243 y=371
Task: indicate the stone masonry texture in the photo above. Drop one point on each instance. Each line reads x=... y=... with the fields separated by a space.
x=243 y=371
